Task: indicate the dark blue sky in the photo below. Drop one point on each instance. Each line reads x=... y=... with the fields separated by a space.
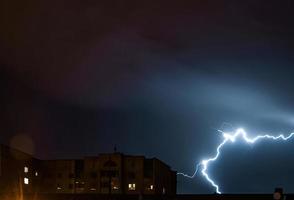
x=155 y=79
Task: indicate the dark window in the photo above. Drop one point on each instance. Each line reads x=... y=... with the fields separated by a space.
x=79 y=168
x=103 y=173
x=93 y=175
x=148 y=168
x=131 y=175
x=48 y=175
x=71 y=175
x=113 y=173
x=93 y=185
x=105 y=184
x=110 y=163
x=70 y=186
x=133 y=164
x=80 y=185
x=109 y=173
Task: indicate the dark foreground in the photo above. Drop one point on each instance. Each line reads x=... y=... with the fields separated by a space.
x=136 y=197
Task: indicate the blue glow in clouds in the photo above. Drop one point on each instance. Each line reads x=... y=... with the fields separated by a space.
x=229 y=138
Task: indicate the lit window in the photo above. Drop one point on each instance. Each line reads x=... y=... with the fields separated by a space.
x=115 y=188
x=132 y=186
x=26 y=181
x=36 y=173
x=151 y=187
x=58 y=187
x=26 y=169
x=93 y=189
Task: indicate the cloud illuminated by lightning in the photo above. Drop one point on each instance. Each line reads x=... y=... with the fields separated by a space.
x=230 y=138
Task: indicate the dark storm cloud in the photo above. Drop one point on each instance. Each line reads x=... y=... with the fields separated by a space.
x=156 y=79
x=233 y=93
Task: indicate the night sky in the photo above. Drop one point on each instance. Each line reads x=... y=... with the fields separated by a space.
x=155 y=79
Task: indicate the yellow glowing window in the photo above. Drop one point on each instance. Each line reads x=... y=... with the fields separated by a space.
x=132 y=186
x=26 y=181
x=115 y=187
x=26 y=169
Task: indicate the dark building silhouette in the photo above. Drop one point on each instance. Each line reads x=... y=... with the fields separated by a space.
x=113 y=173
x=18 y=171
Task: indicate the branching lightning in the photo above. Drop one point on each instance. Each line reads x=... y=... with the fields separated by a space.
x=230 y=138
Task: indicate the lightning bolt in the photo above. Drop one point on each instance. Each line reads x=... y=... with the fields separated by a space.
x=230 y=138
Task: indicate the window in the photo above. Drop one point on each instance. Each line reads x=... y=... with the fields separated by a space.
x=109 y=173
x=48 y=175
x=71 y=175
x=148 y=168
x=115 y=187
x=103 y=173
x=80 y=185
x=93 y=186
x=79 y=168
x=36 y=173
x=132 y=186
x=105 y=184
x=59 y=187
x=131 y=175
x=110 y=163
x=115 y=184
x=26 y=181
x=26 y=169
x=133 y=164
x=93 y=175
x=149 y=187
x=59 y=175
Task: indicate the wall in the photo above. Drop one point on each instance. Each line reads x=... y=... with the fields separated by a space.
x=12 y=170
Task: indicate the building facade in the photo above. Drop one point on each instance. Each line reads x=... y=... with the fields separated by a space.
x=113 y=173
x=18 y=171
